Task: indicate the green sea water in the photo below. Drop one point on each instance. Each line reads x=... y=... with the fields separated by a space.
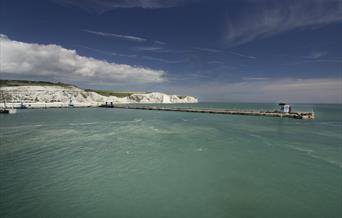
x=103 y=162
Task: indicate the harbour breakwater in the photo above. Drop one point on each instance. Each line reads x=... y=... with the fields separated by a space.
x=293 y=115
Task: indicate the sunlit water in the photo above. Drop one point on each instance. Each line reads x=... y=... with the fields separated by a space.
x=97 y=162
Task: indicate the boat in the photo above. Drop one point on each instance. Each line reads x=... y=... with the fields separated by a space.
x=5 y=109
x=23 y=106
x=8 y=111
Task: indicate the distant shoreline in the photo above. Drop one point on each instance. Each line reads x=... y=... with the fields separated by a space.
x=45 y=94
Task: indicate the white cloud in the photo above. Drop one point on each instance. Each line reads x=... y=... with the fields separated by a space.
x=215 y=62
x=108 y=53
x=165 y=60
x=118 y=36
x=208 y=50
x=106 y=5
x=160 y=42
x=28 y=59
x=264 y=18
x=148 y=48
x=124 y=37
x=242 y=55
x=316 y=55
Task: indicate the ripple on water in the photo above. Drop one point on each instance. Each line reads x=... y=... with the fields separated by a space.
x=188 y=165
x=313 y=154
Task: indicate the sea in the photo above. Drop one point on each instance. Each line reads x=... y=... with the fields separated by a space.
x=108 y=162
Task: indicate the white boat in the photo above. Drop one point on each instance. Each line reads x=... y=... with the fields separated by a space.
x=23 y=106
x=5 y=109
x=8 y=111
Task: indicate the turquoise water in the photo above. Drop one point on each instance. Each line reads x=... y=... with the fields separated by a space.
x=101 y=162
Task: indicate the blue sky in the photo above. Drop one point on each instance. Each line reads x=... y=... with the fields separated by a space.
x=222 y=50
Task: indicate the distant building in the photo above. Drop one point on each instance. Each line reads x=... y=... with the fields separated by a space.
x=285 y=108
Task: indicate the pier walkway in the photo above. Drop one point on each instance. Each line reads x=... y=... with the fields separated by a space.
x=294 y=115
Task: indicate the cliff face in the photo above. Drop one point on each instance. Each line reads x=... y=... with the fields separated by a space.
x=54 y=95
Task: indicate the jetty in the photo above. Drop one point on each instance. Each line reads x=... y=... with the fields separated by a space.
x=281 y=114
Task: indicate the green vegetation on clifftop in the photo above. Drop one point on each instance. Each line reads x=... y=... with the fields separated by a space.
x=113 y=93
x=31 y=83
x=106 y=93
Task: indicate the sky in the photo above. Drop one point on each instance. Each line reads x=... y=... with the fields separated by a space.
x=216 y=50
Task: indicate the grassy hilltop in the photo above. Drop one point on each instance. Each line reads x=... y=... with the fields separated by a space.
x=31 y=83
x=4 y=83
x=114 y=93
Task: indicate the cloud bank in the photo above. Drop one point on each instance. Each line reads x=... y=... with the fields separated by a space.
x=263 y=18
x=29 y=59
x=313 y=90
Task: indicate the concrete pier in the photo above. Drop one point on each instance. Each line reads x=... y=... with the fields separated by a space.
x=294 y=115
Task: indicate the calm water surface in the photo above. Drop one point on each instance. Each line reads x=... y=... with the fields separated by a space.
x=97 y=162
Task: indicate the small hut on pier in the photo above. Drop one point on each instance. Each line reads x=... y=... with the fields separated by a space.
x=284 y=107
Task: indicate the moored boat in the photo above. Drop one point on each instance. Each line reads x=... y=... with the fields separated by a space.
x=8 y=111
x=5 y=109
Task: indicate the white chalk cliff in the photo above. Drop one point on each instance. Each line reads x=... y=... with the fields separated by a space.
x=60 y=96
